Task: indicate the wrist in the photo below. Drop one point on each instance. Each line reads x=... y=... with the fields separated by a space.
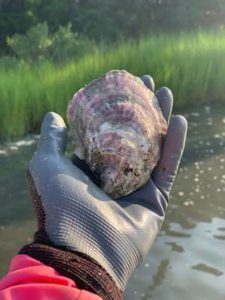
x=85 y=271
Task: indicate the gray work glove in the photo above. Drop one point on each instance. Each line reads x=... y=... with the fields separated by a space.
x=78 y=217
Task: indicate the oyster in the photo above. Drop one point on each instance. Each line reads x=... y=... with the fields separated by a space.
x=118 y=128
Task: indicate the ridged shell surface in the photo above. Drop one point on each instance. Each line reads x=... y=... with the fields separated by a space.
x=118 y=128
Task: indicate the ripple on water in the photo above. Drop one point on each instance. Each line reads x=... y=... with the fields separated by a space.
x=219 y=237
x=10 y=147
x=207 y=269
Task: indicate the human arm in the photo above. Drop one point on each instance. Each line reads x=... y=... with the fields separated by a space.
x=83 y=233
x=28 y=278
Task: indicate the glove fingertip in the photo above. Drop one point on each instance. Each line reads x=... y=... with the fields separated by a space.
x=178 y=125
x=52 y=120
x=149 y=82
x=53 y=133
x=165 y=99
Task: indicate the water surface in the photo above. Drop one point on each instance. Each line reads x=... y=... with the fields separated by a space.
x=188 y=259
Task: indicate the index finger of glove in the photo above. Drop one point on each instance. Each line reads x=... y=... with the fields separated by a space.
x=165 y=99
x=149 y=82
x=165 y=172
x=164 y=96
x=53 y=138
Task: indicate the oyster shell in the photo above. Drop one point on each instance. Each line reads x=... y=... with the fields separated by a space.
x=118 y=128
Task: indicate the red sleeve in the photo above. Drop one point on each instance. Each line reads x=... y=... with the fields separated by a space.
x=30 y=279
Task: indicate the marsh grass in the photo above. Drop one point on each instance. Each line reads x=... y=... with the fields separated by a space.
x=191 y=64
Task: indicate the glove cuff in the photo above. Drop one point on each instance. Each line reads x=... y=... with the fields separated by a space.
x=85 y=271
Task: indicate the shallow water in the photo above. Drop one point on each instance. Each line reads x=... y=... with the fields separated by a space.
x=188 y=259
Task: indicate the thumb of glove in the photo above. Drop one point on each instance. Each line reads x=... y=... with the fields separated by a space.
x=53 y=138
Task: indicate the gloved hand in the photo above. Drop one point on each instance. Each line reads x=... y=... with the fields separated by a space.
x=77 y=218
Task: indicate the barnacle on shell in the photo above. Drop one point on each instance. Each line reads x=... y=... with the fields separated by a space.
x=118 y=128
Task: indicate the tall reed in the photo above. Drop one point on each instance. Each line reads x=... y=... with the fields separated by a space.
x=191 y=64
